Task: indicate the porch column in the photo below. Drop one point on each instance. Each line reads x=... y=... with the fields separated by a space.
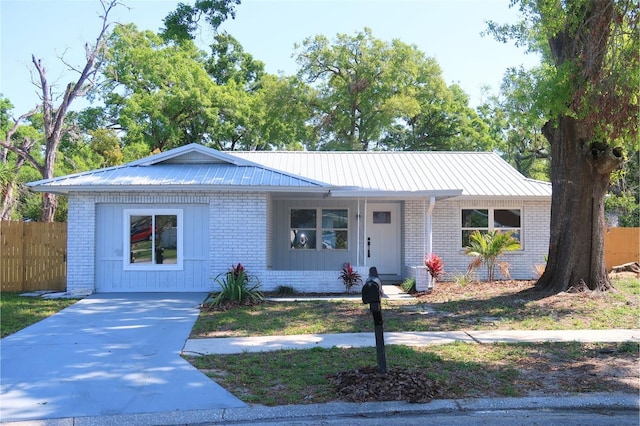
x=358 y=218
x=364 y=240
x=423 y=278
x=429 y=226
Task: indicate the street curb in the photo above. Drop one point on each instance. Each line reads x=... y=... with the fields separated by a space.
x=336 y=410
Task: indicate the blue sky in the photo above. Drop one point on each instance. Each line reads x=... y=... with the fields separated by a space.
x=448 y=30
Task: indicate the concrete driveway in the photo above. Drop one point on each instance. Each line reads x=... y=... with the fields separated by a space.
x=107 y=354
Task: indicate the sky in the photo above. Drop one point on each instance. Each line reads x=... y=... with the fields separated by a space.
x=447 y=30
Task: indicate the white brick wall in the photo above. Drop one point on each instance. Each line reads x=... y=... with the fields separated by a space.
x=306 y=281
x=240 y=230
x=414 y=232
x=81 y=244
x=447 y=236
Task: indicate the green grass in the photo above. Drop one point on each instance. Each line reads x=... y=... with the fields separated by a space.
x=463 y=370
x=18 y=312
x=508 y=310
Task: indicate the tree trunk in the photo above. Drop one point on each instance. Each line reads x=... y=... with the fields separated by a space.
x=8 y=201
x=581 y=171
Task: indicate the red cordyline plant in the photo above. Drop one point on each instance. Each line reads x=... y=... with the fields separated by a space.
x=435 y=265
x=350 y=277
x=237 y=270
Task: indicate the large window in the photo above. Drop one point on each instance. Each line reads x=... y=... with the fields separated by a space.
x=330 y=224
x=485 y=220
x=153 y=239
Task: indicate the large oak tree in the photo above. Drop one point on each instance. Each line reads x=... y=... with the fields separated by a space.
x=590 y=95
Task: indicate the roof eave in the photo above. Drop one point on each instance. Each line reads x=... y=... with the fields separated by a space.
x=403 y=195
x=506 y=197
x=65 y=190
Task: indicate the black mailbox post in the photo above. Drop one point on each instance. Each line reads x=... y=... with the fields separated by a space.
x=371 y=295
x=370 y=292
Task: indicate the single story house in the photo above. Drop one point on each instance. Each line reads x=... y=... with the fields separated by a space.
x=174 y=221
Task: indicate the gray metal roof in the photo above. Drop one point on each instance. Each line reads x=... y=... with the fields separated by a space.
x=188 y=167
x=476 y=174
x=384 y=174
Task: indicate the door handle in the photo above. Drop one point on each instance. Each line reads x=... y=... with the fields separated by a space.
x=369 y=247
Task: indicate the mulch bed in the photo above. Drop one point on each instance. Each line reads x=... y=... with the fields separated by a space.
x=367 y=384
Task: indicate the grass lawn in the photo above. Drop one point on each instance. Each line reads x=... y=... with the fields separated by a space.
x=451 y=371
x=481 y=306
x=457 y=370
x=18 y=312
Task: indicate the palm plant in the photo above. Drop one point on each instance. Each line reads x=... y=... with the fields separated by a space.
x=487 y=247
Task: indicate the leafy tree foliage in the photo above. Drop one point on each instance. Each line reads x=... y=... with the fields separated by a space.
x=158 y=93
x=623 y=200
x=183 y=23
x=164 y=95
x=517 y=124
x=378 y=95
x=229 y=62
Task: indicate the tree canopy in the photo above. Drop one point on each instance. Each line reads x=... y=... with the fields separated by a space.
x=374 y=94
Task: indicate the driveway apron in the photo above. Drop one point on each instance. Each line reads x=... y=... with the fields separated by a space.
x=108 y=354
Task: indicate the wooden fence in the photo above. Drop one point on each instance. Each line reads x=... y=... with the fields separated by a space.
x=33 y=256
x=621 y=245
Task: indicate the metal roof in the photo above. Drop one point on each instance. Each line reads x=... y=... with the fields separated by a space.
x=188 y=167
x=476 y=174
x=384 y=174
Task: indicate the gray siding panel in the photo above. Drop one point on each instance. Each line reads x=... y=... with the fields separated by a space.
x=110 y=274
x=285 y=258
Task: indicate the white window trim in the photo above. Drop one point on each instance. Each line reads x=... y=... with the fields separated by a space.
x=491 y=221
x=126 y=261
x=319 y=228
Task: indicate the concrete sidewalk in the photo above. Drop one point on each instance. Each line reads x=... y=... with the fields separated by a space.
x=235 y=345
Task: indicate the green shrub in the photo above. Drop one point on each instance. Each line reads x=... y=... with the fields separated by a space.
x=463 y=279
x=236 y=287
x=409 y=285
x=285 y=289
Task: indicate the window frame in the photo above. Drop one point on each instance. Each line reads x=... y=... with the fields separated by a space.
x=491 y=224
x=126 y=259
x=319 y=228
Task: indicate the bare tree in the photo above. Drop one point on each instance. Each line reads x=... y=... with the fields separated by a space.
x=54 y=116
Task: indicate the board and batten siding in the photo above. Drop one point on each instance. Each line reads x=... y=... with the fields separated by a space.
x=110 y=273
x=287 y=259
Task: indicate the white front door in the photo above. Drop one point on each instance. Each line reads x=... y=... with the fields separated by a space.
x=383 y=237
